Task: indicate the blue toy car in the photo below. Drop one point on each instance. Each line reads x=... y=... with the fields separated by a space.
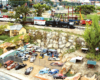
x=53 y=71
x=44 y=71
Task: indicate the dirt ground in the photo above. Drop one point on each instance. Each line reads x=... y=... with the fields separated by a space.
x=3 y=23
x=82 y=66
x=39 y=64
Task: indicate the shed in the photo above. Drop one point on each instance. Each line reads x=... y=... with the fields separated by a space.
x=76 y=59
x=91 y=64
x=9 y=53
x=16 y=30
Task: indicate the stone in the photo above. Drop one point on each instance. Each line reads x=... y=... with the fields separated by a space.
x=63 y=38
x=38 y=40
x=64 y=41
x=42 y=43
x=51 y=41
x=68 y=44
x=58 y=50
x=55 y=46
x=71 y=47
x=61 y=46
x=49 y=46
x=70 y=40
x=60 y=43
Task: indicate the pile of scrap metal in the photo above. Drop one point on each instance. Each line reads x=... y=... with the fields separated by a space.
x=66 y=67
x=75 y=77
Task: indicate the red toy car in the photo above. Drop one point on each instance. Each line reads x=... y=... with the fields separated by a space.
x=57 y=64
x=6 y=64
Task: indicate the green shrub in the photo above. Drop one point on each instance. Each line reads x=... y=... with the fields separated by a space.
x=92 y=56
x=71 y=50
x=92 y=34
x=4 y=10
x=4 y=37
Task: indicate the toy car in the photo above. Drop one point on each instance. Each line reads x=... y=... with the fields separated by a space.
x=19 y=66
x=32 y=59
x=53 y=59
x=28 y=70
x=6 y=64
x=59 y=76
x=83 y=22
x=53 y=71
x=44 y=71
x=57 y=64
x=24 y=58
x=35 y=54
x=13 y=65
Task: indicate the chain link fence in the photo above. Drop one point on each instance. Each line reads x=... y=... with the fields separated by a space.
x=14 y=58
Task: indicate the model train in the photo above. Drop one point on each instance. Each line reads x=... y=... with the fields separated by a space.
x=43 y=21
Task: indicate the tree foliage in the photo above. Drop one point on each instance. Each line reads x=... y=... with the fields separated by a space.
x=92 y=34
x=17 y=2
x=22 y=10
x=40 y=8
x=85 y=9
x=2 y=28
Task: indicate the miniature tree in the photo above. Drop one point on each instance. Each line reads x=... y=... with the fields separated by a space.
x=22 y=10
x=2 y=28
x=92 y=34
x=17 y=2
x=40 y=8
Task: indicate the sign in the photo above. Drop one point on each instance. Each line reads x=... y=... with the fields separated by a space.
x=39 y=22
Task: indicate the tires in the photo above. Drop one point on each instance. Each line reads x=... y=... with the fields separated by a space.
x=5 y=66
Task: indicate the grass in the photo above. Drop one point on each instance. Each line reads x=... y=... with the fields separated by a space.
x=1 y=51
x=68 y=74
x=11 y=39
x=4 y=37
x=93 y=56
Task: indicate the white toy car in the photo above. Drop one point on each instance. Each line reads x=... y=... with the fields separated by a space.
x=53 y=59
x=32 y=59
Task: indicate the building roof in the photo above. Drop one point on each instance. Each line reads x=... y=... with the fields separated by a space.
x=91 y=62
x=16 y=27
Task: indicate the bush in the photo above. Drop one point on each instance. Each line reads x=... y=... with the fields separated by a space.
x=92 y=35
x=71 y=50
x=85 y=9
x=4 y=10
x=92 y=56
x=3 y=37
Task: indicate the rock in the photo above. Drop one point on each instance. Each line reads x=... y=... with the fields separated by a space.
x=42 y=43
x=51 y=41
x=70 y=40
x=55 y=46
x=39 y=41
x=68 y=44
x=74 y=43
x=63 y=38
x=60 y=43
x=71 y=47
x=58 y=50
x=64 y=41
x=49 y=46
x=61 y=46
x=55 y=42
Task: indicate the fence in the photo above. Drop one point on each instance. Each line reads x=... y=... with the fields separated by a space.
x=16 y=3
x=14 y=58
